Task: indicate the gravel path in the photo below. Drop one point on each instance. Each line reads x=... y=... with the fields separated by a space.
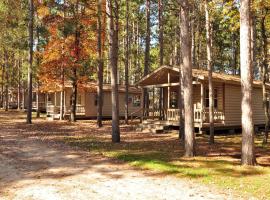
x=32 y=169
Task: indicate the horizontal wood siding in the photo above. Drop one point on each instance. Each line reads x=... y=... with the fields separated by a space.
x=107 y=106
x=91 y=108
x=258 y=113
x=233 y=106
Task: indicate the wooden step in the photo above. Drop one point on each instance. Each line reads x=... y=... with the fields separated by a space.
x=150 y=127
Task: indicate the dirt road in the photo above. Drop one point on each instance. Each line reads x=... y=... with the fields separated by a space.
x=33 y=169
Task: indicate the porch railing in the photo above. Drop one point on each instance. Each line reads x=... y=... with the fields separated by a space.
x=219 y=116
x=198 y=113
x=174 y=115
x=52 y=109
x=41 y=105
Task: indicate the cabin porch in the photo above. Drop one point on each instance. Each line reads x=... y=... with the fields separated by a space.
x=170 y=117
x=163 y=100
x=53 y=105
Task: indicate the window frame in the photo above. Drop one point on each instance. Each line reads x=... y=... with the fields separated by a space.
x=215 y=98
x=136 y=97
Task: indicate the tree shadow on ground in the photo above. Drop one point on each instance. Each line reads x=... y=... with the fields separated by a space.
x=161 y=153
x=35 y=152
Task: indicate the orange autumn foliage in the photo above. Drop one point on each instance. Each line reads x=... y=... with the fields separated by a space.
x=66 y=52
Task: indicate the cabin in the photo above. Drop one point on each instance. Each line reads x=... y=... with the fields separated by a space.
x=163 y=88
x=87 y=101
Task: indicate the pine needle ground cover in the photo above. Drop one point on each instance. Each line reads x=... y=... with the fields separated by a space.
x=217 y=165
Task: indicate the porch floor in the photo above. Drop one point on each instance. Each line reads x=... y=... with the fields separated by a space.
x=176 y=123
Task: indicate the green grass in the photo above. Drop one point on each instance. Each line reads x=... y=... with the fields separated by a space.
x=164 y=155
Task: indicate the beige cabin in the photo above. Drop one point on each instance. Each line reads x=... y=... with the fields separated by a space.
x=163 y=88
x=87 y=101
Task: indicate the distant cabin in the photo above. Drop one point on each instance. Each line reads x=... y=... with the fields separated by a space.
x=87 y=101
x=163 y=89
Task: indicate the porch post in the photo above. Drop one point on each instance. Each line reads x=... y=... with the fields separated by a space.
x=202 y=104
x=62 y=104
x=160 y=103
x=55 y=99
x=169 y=91
x=153 y=98
x=46 y=102
x=65 y=103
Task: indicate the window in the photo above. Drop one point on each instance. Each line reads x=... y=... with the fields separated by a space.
x=34 y=96
x=79 y=99
x=49 y=97
x=215 y=98
x=136 y=100
x=129 y=99
x=173 y=100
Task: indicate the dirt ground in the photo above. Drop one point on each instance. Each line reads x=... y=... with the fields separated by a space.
x=31 y=167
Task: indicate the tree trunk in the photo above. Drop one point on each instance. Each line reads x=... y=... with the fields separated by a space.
x=210 y=70
x=248 y=154
x=19 y=85
x=2 y=86
x=7 y=81
x=147 y=53
x=193 y=39
x=234 y=54
x=38 y=64
x=187 y=79
x=127 y=62
x=181 y=106
x=100 y=67
x=23 y=96
x=181 y=91
x=31 y=43
x=264 y=70
x=37 y=101
x=62 y=103
x=161 y=32
x=62 y=94
x=113 y=8
x=74 y=97
x=75 y=78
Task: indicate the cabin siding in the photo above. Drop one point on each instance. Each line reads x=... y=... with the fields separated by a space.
x=88 y=100
x=90 y=108
x=107 y=105
x=233 y=106
x=258 y=112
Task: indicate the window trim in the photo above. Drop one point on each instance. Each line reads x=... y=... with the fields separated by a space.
x=215 y=99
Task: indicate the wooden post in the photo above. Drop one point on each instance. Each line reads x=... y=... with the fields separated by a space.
x=62 y=104
x=65 y=103
x=169 y=91
x=160 y=103
x=55 y=99
x=46 y=102
x=202 y=105
x=153 y=98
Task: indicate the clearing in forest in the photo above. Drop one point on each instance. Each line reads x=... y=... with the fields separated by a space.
x=62 y=160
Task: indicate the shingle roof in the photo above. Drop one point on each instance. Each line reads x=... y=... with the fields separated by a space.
x=159 y=75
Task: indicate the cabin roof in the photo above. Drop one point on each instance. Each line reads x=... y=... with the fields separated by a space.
x=89 y=86
x=160 y=76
